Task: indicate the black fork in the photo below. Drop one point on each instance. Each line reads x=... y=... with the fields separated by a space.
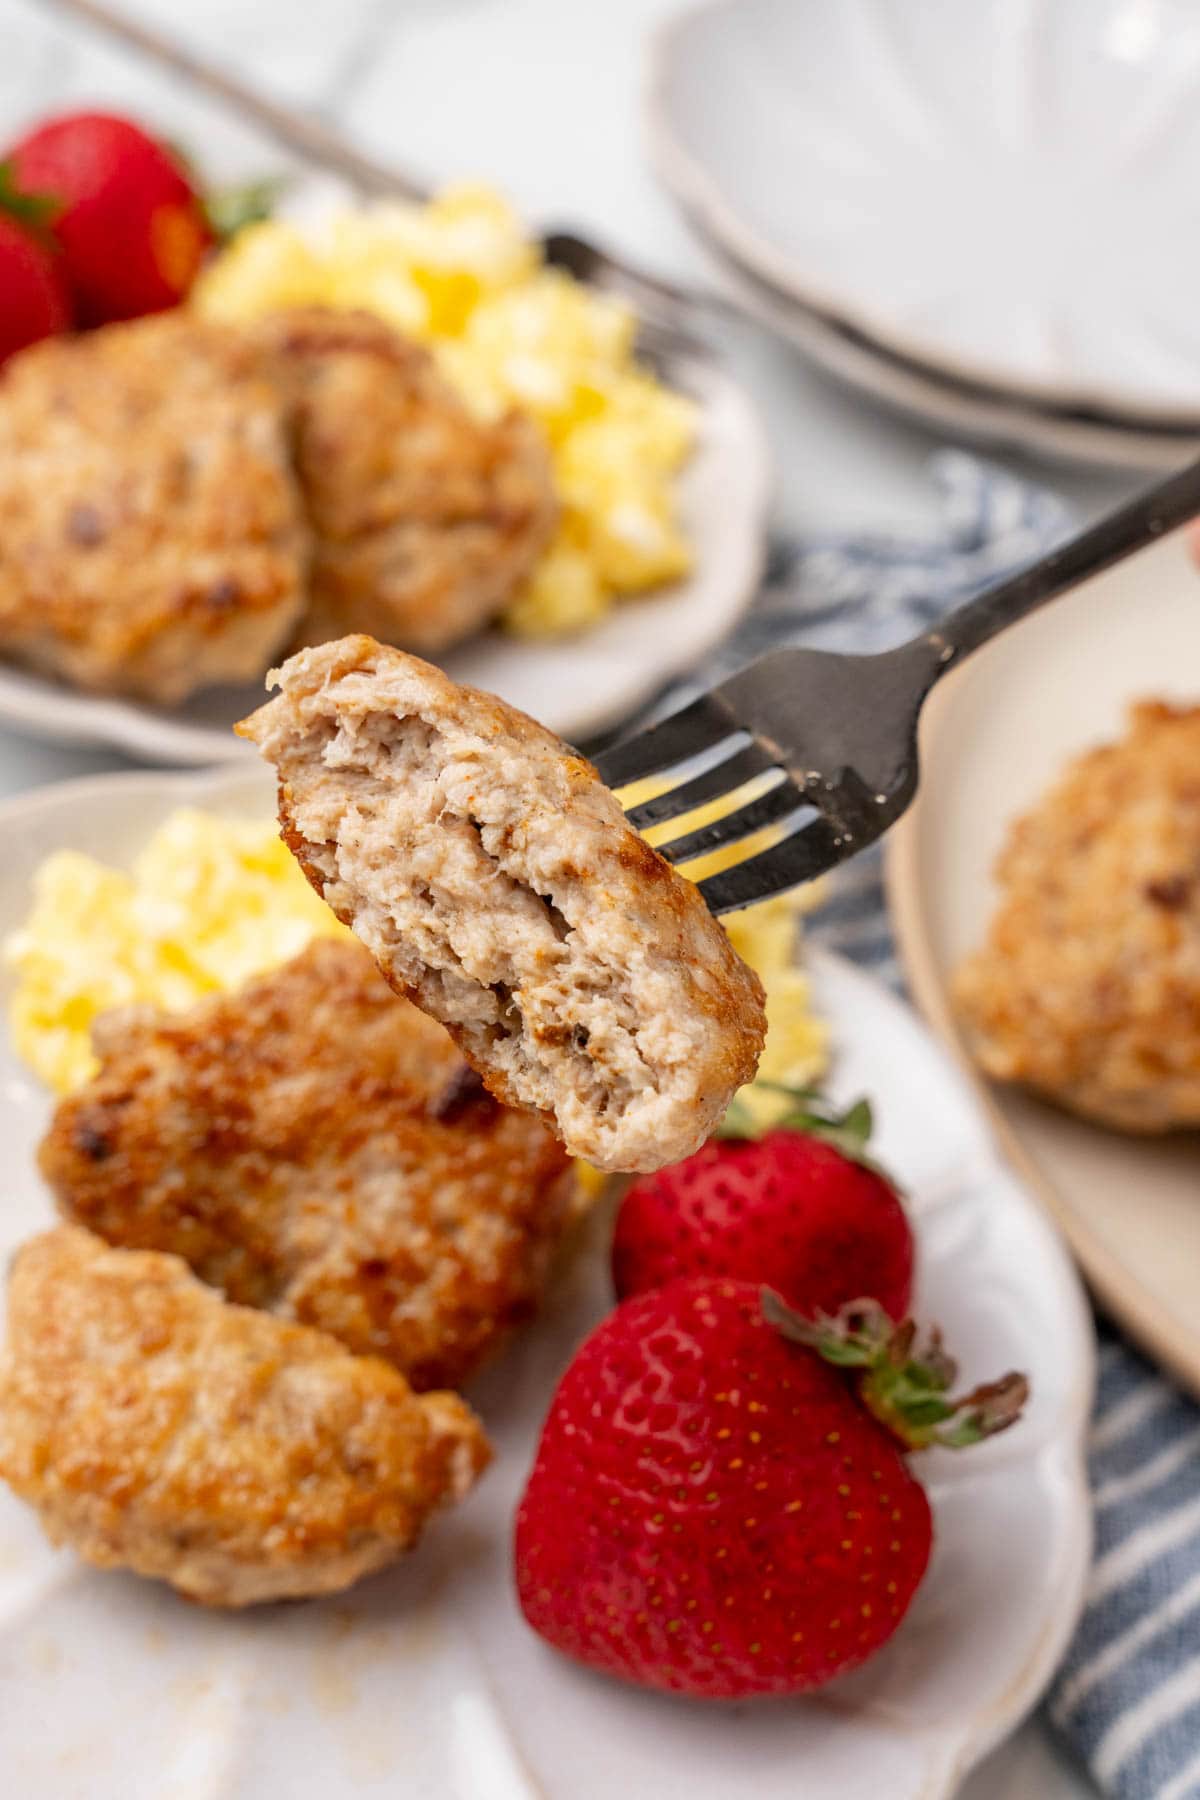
x=829 y=741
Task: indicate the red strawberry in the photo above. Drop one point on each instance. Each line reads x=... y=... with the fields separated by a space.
x=130 y=223
x=798 y=1209
x=34 y=302
x=714 y=1510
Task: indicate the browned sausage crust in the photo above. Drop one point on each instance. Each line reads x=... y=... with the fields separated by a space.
x=309 y=1145
x=152 y=535
x=425 y=518
x=1087 y=986
x=240 y=1458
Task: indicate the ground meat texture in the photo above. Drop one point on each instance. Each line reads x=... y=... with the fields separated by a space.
x=1087 y=985
x=497 y=883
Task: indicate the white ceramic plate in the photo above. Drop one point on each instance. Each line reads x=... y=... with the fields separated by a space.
x=576 y=686
x=1005 y=190
x=994 y=737
x=972 y=412
x=424 y=1681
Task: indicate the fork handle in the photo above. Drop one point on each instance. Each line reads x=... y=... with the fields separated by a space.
x=1148 y=516
x=300 y=132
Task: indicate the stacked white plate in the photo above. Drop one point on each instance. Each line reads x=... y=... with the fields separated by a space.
x=984 y=215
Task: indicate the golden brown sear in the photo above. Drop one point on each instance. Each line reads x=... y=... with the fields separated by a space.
x=426 y=519
x=1087 y=987
x=316 y=1146
x=176 y=493
x=237 y=1457
x=152 y=536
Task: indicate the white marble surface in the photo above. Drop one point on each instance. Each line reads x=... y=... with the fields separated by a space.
x=541 y=96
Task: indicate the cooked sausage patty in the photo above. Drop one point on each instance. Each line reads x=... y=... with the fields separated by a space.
x=425 y=518
x=314 y=1145
x=152 y=536
x=497 y=883
x=155 y=1427
x=1087 y=986
x=175 y=493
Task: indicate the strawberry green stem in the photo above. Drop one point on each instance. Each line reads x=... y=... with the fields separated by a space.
x=905 y=1385
x=807 y=1111
x=35 y=211
x=230 y=210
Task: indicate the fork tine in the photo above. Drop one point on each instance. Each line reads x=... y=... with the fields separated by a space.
x=771 y=808
x=725 y=778
x=700 y=726
x=801 y=857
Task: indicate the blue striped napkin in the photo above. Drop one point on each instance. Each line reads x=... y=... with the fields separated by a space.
x=1128 y=1696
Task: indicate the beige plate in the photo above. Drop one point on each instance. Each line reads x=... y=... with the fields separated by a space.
x=992 y=739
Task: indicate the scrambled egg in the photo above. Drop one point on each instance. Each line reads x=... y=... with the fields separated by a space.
x=461 y=276
x=797 y=1048
x=207 y=904
x=768 y=938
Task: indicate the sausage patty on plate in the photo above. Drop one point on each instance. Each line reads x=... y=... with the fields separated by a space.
x=152 y=534
x=155 y=1427
x=1087 y=986
x=314 y=1145
x=425 y=518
